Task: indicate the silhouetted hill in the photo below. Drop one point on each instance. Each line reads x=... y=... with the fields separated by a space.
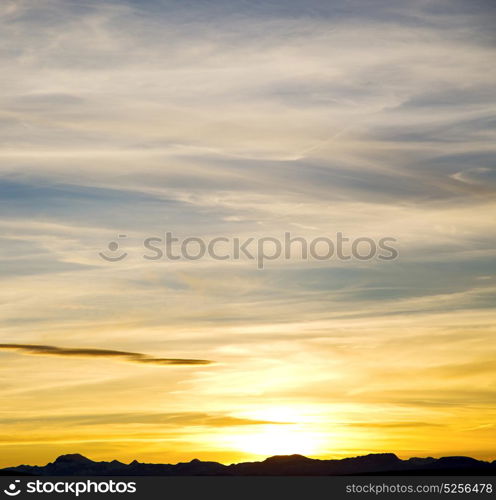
x=287 y=465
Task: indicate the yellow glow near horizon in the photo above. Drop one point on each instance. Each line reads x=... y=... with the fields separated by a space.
x=283 y=414
x=277 y=440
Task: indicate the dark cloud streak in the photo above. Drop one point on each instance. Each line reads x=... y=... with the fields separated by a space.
x=133 y=357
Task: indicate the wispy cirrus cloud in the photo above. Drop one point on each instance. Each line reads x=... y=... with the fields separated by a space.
x=169 y=419
x=391 y=425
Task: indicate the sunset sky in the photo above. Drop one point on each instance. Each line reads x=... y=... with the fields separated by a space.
x=237 y=118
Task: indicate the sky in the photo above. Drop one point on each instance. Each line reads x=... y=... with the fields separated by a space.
x=241 y=119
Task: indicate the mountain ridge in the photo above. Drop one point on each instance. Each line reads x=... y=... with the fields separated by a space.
x=278 y=465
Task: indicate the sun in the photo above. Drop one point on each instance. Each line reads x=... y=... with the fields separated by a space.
x=280 y=430
x=278 y=439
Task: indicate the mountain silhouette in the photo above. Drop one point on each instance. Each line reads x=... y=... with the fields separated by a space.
x=285 y=465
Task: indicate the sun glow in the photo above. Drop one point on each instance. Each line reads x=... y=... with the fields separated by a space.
x=293 y=414
x=277 y=440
